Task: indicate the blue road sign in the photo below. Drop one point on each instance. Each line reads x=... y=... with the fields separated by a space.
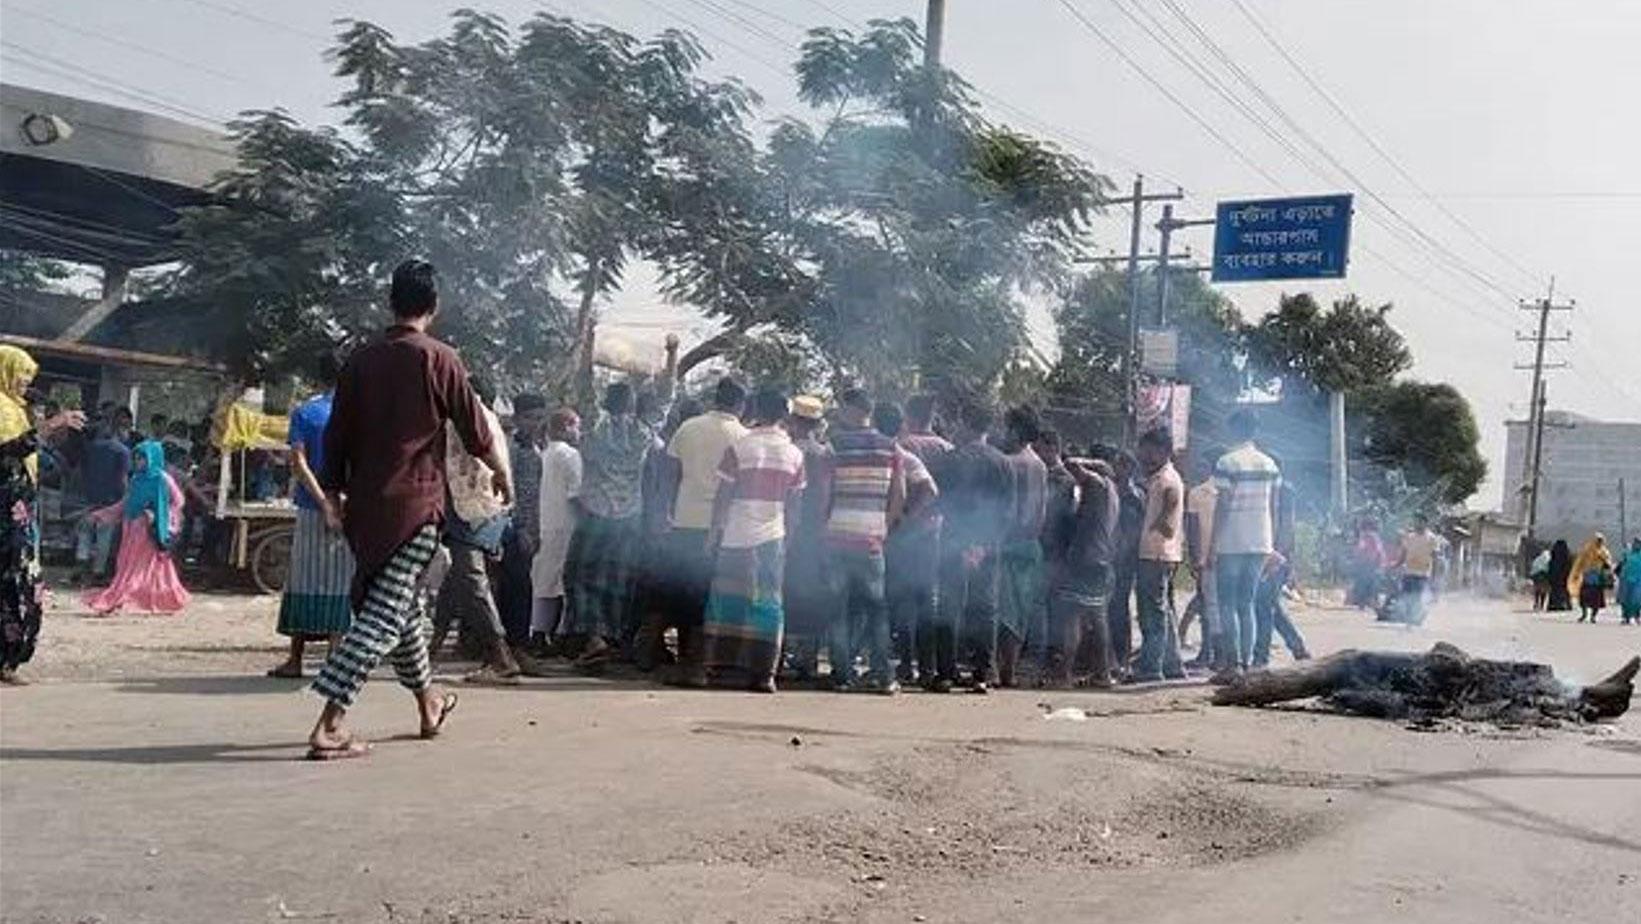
x=1304 y=238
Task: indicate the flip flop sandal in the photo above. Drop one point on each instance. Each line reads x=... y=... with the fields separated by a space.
x=284 y=673
x=446 y=706
x=343 y=752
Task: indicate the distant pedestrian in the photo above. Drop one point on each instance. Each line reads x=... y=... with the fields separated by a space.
x=106 y=469
x=384 y=453
x=1539 y=573
x=867 y=494
x=1125 y=561
x=1270 y=610
x=685 y=576
x=1629 y=585
x=1199 y=530
x=762 y=479
x=1161 y=549
x=513 y=590
x=1246 y=480
x=1591 y=576
x=1560 y=575
x=1367 y=566
x=605 y=552
x=1416 y=557
x=1080 y=587
x=1059 y=528
x=977 y=509
x=145 y=574
x=315 y=602
x=808 y=602
x=1021 y=608
x=911 y=552
x=475 y=526
x=556 y=519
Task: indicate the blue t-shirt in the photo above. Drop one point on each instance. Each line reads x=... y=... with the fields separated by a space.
x=308 y=431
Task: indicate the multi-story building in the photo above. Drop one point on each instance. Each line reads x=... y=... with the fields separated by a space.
x=1583 y=463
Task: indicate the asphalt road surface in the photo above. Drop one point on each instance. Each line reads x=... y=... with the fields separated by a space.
x=153 y=775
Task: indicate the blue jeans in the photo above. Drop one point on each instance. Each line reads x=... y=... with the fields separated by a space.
x=93 y=545
x=1269 y=613
x=1238 y=585
x=1159 y=632
x=860 y=615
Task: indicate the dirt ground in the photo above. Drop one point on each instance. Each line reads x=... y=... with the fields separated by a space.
x=153 y=774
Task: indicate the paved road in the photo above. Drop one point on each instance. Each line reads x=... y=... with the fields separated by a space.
x=179 y=797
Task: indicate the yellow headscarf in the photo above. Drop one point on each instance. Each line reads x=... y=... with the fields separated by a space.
x=1592 y=556
x=17 y=370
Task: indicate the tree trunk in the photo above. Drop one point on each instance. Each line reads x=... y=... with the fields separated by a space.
x=1441 y=683
x=586 y=328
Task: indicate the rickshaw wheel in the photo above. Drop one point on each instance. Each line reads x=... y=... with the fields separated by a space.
x=271 y=559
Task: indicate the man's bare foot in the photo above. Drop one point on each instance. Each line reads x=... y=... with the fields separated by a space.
x=11 y=678
x=289 y=670
x=435 y=706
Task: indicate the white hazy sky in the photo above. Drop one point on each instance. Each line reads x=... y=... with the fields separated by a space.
x=1516 y=116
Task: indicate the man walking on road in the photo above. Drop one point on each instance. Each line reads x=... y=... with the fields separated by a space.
x=1246 y=481
x=384 y=453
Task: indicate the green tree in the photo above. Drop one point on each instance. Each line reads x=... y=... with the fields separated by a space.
x=1424 y=430
x=27 y=272
x=522 y=164
x=908 y=228
x=1344 y=347
x=1092 y=324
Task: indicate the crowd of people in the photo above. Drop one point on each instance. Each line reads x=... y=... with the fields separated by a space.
x=1560 y=577
x=938 y=544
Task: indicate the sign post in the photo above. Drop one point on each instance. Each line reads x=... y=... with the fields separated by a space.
x=1263 y=239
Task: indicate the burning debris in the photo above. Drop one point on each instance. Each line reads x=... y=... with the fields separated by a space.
x=1443 y=683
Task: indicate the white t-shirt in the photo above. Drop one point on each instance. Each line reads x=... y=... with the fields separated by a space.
x=699 y=448
x=1246 y=480
x=560 y=484
x=762 y=470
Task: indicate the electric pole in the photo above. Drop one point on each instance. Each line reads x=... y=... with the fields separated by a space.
x=1533 y=457
x=1623 y=516
x=934 y=33
x=1166 y=228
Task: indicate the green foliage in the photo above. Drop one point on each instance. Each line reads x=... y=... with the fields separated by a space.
x=1345 y=347
x=1092 y=324
x=1424 y=431
x=27 y=272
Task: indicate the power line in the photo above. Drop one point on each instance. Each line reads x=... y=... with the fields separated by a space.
x=69 y=71
x=249 y=16
x=1372 y=142
x=139 y=48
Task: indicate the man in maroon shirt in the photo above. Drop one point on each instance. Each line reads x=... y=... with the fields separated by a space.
x=384 y=468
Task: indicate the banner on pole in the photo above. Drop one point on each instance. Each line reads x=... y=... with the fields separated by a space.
x=1165 y=404
x=1159 y=352
x=1303 y=238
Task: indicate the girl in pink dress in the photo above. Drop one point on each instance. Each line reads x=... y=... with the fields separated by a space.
x=145 y=576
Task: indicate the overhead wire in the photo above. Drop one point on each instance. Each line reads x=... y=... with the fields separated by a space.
x=1372 y=142
x=66 y=70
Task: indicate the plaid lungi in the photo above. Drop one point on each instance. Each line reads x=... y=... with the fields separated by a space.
x=745 y=619
x=1021 y=606
x=316 y=600
x=602 y=578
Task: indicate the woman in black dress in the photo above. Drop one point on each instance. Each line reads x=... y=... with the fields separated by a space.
x=1561 y=570
x=20 y=440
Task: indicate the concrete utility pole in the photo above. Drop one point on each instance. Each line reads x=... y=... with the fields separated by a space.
x=1167 y=226
x=1623 y=517
x=1534 y=456
x=934 y=33
x=1130 y=365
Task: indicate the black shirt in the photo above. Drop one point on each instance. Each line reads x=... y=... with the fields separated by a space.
x=977 y=501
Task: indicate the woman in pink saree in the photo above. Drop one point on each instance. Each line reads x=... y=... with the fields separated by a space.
x=145 y=576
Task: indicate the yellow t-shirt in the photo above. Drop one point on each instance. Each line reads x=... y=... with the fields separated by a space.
x=1419 y=554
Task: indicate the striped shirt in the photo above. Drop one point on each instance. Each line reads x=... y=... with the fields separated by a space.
x=864 y=466
x=1245 y=482
x=762 y=469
